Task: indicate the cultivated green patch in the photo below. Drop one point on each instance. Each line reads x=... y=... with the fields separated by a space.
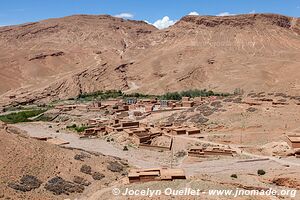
x=22 y=116
x=191 y=93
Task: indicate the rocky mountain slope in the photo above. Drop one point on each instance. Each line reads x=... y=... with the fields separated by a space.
x=61 y=58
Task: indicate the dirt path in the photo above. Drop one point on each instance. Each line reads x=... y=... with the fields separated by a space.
x=134 y=156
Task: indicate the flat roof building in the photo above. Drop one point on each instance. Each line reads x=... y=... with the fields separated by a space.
x=294 y=141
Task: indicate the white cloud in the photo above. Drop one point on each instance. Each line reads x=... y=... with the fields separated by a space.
x=193 y=13
x=165 y=22
x=252 y=12
x=225 y=14
x=124 y=15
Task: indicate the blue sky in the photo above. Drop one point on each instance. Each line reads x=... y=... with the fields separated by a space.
x=21 y=11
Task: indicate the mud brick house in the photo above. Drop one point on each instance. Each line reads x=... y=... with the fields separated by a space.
x=82 y=107
x=121 y=125
x=131 y=124
x=171 y=104
x=178 y=104
x=130 y=101
x=96 y=104
x=178 y=131
x=149 y=107
x=188 y=104
x=143 y=107
x=155 y=174
x=110 y=102
x=97 y=122
x=191 y=131
x=66 y=107
x=150 y=146
x=196 y=152
x=293 y=141
x=199 y=100
x=95 y=131
x=148 y=101
x=122 y=114
x=163 y=103
x=133 y=131
x=215 y=151
x=185 y=99
x=142 y=135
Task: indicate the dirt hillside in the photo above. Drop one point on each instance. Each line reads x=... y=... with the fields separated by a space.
x=61 y=58
x=37 y=170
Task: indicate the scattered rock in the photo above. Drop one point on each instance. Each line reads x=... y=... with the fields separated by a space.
x=216 y=104
x=81 y=181
x=228 y=100
x=43 y=56
x=237 y=100
x=58 y=185
x=251 y=109
x=86 y=169
x=287 y=182
x=199 y=119
x=206 y=110
x=114 y=166
x=180 y=154
x=81 y=156
x=98 y=176
x=27 y=183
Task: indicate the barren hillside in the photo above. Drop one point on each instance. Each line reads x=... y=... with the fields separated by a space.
x=38 y=170
x=35 y=54
x=61 y=58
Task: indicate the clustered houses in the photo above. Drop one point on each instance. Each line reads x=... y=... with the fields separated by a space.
x=133 y=105
x=139 y=133
x=121 y=116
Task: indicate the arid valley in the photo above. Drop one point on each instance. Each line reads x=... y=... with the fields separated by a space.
x=91 y=105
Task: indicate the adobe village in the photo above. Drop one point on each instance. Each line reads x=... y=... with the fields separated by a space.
x=106 y=125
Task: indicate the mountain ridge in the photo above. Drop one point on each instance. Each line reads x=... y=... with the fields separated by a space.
x=63 y=57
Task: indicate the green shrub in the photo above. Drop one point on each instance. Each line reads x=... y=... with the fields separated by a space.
x=72 y=126
x=78 y=129
x=261 y=172
x=233 y=176
x=103 y=95
x=191 y=93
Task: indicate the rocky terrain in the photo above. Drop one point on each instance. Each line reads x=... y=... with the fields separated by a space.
x=61 y=58
x=36 y=170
